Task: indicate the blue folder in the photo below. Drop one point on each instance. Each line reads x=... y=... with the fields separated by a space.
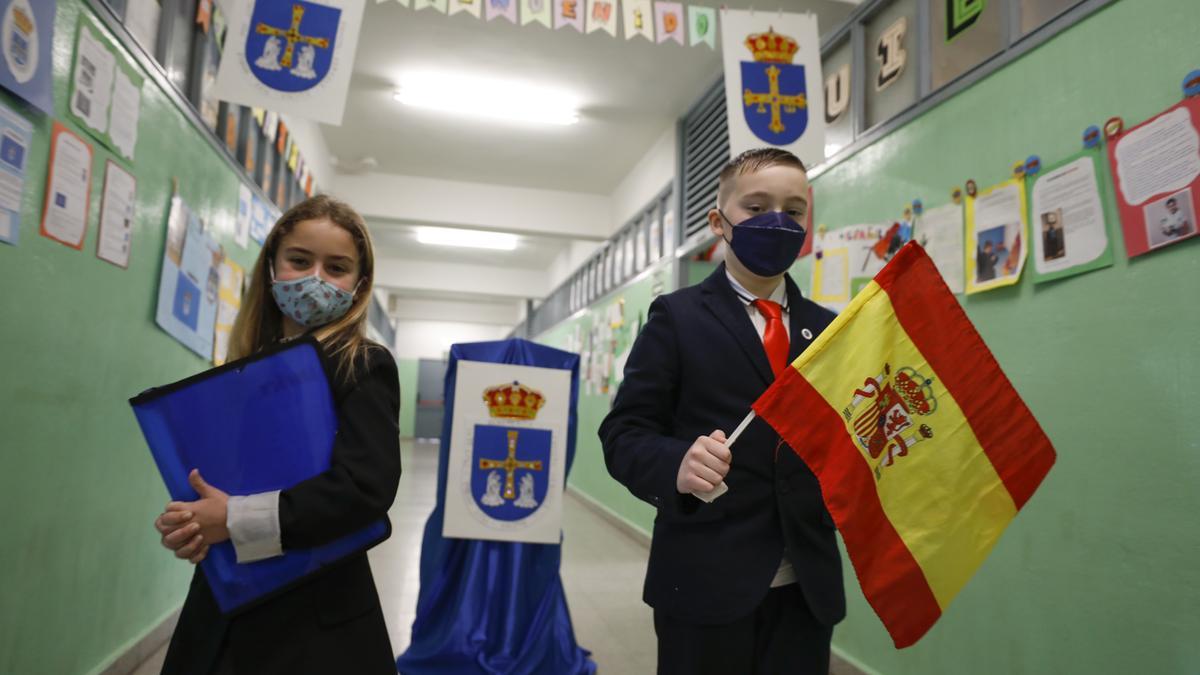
x=258 y=424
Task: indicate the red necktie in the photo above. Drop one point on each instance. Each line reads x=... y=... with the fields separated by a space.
x=775 y=337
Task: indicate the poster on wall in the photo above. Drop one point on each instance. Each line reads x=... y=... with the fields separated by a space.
x=260 y=220
x=245 y=207
x=508 y=449
x=940 y=233
x=190 y=280
x=1156 y=169
x=26 y=38
x=68 y=188
x=229 y=300
x=1070 y=219
x=774 y=94
x=105 y=91
x=15 y=135
x=848 y=258
x=996 y=242
x=116 y=215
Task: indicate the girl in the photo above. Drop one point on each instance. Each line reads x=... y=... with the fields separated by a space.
x=313 y=276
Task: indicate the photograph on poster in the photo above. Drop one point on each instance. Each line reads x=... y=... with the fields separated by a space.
x=1170 y=218
x=1053 y=239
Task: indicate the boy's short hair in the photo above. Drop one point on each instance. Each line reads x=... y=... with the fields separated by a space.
x=751 y=161
x=1172 y=201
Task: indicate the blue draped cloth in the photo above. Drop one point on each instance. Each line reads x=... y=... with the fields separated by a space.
x=493 y=607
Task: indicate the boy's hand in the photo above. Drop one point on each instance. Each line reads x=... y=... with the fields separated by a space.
x=705 y=464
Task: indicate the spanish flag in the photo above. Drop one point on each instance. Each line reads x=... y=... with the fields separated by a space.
x=924 y=450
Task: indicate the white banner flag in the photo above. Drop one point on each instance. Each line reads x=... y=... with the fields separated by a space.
x=774 y=95
x=602 y=15
x=639 y=19
x=472 y=7
x=293 y=56
x=535 y=11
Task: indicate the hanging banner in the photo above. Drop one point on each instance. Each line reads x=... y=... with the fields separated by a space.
x=471 y=7
x=28 y=35
x=702 y=22
x=293 y=55
x=439 y=5
x=668 y=21
x=1070 y=218
x=602 y=15
x=535 y=11
x=1156 y=167
x=568 y=13
x=996 y=241
x=502 y=8
x=638 y=19
x=773 y=82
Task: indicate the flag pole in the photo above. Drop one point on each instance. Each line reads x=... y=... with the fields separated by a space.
x=722 y=488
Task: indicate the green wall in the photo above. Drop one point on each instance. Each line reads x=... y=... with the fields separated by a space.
x=588 y=473
x=408 y=396
x=1096 y=575
x=83 y=574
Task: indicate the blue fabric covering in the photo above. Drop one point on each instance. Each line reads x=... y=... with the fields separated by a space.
x=492 y=607
x=238 y=424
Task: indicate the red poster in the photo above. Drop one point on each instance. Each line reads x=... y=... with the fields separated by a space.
x=1156 y=171
x=68 y=188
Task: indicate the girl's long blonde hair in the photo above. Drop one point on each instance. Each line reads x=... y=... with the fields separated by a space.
x=259 y=322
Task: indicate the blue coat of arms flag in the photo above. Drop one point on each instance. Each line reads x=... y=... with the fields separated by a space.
x=774 y=94
x=489 y=601
x=291 y=56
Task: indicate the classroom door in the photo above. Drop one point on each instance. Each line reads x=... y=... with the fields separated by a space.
x=431 y=399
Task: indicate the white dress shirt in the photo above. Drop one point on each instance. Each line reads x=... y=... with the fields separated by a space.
x=785 y=575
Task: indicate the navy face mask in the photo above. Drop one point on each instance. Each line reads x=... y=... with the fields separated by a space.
x=766 y=244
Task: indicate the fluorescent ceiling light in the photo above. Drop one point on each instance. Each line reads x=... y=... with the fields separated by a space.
x=445 y=236
x=480 y=97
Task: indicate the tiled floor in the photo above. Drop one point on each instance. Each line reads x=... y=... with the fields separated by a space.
x=602 y=572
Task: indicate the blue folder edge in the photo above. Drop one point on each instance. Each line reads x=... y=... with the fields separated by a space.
x=238 y=587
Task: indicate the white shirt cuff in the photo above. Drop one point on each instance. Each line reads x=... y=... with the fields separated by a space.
x=253 y=524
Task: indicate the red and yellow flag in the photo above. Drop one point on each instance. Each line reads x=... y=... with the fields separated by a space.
x=924 y=450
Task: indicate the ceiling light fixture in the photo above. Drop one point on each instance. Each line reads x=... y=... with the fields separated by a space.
x=445 y=236
x=480 y=97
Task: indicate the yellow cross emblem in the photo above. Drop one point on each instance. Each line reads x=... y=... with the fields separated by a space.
x=510 y=464
x=292 y=35
x=773 y=98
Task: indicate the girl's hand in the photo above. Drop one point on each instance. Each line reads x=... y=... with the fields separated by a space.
x=181 y=535
x=208 y=515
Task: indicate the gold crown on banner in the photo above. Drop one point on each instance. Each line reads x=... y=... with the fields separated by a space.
x=771 y=47
x=513 y=401
x=916 y=390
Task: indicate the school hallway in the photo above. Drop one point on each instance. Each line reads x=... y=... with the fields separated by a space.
x=914 y=238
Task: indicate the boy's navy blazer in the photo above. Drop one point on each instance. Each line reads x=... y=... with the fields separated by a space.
x=697 y=367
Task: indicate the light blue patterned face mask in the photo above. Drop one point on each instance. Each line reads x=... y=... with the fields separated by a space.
x=311 y=301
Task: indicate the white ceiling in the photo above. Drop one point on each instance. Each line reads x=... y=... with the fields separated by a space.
x=630 y=92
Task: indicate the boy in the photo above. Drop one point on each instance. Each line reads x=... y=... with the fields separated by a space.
x=751 y=582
